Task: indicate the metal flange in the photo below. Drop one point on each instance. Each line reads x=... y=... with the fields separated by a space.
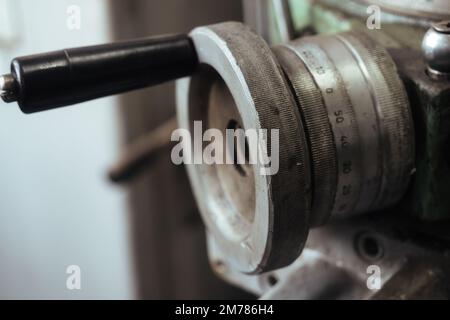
x=273 y=234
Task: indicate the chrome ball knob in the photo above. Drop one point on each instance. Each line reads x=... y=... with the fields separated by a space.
x=436 y=49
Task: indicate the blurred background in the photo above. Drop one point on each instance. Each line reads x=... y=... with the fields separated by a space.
x=144 y=240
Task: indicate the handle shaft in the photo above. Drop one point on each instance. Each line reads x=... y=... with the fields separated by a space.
x=60 y=78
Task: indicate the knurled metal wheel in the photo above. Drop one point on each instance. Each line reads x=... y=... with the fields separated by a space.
x=276 y=234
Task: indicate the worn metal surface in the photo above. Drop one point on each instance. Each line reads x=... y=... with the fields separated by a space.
x=428 y=197
x=339 y=260
x=429 y=98
x=334 y=264
x=320 y=135
x=412 y=255
x=278 y=231
x=260 y=222
x=368 y=115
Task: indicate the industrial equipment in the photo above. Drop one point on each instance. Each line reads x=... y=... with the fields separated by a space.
x=359 y=93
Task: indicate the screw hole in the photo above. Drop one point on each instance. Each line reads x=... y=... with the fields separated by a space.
x=272 y=280
x=368 y=247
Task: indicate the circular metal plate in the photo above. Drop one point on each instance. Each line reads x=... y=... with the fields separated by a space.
x=274 y=234
x=319 y=133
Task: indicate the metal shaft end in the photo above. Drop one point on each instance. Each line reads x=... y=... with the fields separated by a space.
x=7 y=88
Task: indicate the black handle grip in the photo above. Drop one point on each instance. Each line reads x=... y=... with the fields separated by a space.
x=55 y=79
